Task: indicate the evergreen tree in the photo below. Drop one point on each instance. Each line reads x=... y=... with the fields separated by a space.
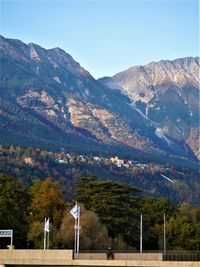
x=153 y=210
x=115 y=204
x=13 y=209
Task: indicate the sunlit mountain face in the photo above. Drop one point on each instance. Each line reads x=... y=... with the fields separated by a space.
x=48 y=100
x=166 y=93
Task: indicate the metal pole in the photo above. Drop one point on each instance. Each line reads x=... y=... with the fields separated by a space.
x=141 y=233
x=78 y=232
x=11 y=238
x=44 y=234
x=164 y=237
x=75 y=237
x=48 y=239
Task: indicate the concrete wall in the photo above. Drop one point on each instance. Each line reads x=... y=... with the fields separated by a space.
x=51 y=257
x=64 y=258
x=134 y=263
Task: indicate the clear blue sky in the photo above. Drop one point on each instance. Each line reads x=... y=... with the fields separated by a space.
x=106 y=37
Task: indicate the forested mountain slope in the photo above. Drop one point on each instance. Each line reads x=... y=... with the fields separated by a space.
x=48 y=100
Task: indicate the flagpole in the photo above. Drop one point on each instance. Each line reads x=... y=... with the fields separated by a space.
x=75 y=236
x=141 y=233
x=44 y=234
x=47 y=240
x=78 y=231
x=164 y=235
x=75 y=213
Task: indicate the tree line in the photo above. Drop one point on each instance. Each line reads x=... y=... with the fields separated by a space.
x=43 y=164
x=110 y=216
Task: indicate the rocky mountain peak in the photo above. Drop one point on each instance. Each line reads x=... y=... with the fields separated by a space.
x=59 y=57
x=35 y=55
x=13 y=48
x=159 y=112
x=142 y=82
x=165 y=92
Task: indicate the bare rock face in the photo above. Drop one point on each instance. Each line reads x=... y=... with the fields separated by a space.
x=106 y=126
x=144 y=82
x=167 y=93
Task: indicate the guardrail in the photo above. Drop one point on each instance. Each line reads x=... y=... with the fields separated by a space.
x=176 y=255
x=155 y=255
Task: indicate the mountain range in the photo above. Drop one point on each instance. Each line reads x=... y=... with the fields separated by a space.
x=48 y=100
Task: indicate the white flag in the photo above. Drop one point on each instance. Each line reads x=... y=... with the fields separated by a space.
x=74 y=211
x=46 y=226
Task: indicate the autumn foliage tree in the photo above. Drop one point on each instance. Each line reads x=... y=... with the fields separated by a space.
x=48 y=201
x=110 y=215
x=93 y=234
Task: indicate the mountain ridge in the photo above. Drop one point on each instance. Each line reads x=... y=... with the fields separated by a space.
x=58 y=93
x=148 y=87
x=149 y=71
